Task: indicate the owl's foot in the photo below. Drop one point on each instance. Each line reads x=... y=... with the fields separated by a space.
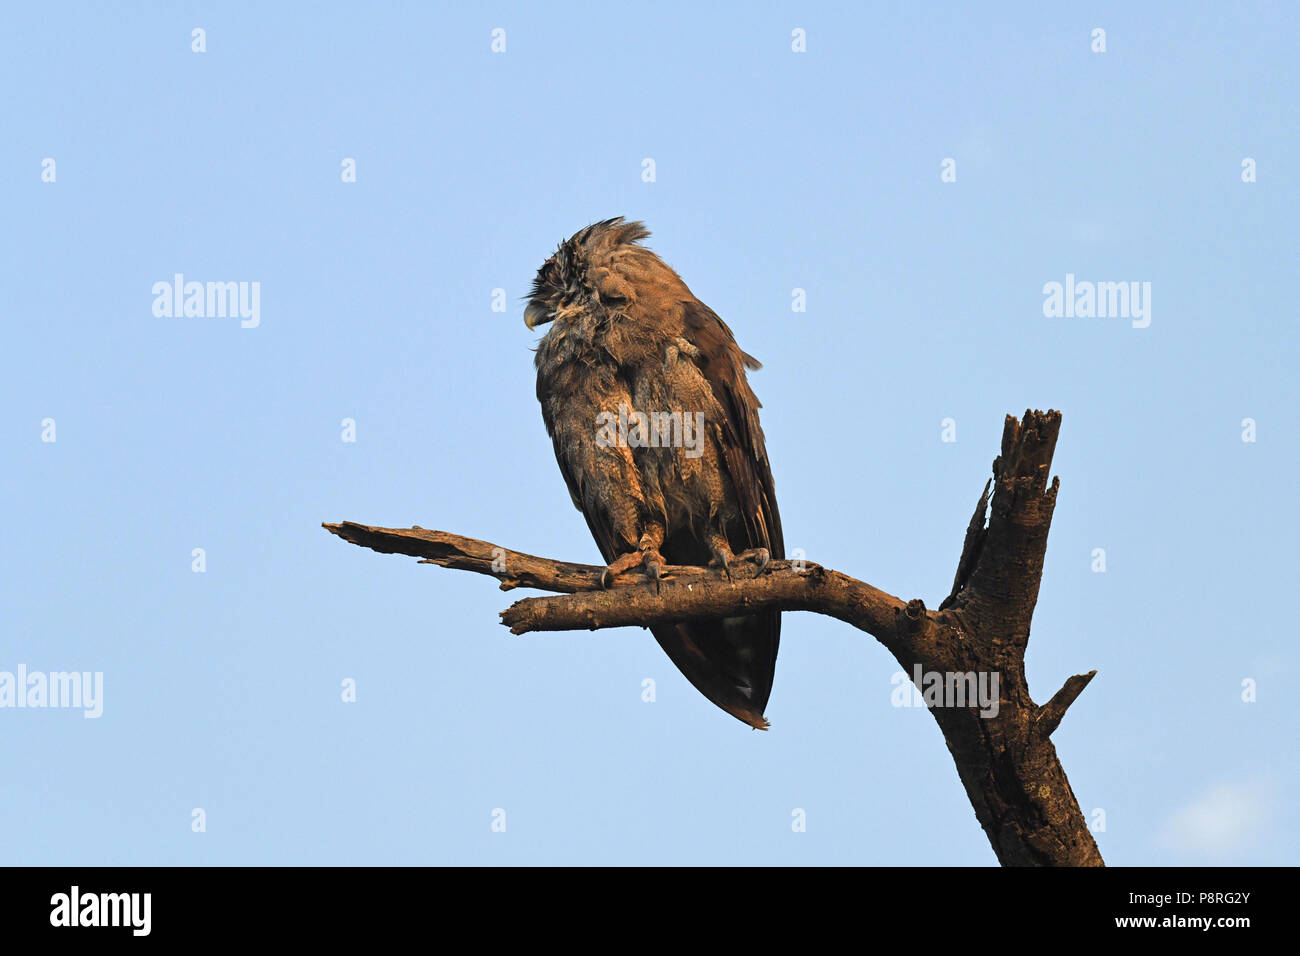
x=649 y=560
x=724 y=560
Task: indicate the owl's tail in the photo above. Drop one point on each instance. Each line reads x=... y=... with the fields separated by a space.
x=731 y=661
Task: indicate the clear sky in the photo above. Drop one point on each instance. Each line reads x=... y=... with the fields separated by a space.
x=774 y=170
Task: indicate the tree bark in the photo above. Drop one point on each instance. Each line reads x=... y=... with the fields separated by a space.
x=1006 y=761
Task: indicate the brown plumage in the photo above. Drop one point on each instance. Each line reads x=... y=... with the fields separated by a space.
x=628 y=332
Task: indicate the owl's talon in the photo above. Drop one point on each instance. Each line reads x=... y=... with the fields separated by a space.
x=722 y=558
x=649 y=560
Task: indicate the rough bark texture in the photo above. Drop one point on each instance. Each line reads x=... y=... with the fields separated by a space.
x=1006 y=762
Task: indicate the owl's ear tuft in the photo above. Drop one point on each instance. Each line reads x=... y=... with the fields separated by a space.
x=629 y=232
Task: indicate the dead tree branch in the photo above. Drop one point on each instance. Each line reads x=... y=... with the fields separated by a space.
x=1006 y=760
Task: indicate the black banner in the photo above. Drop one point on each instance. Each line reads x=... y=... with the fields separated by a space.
x=620 y=907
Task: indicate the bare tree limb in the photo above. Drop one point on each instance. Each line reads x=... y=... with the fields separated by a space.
x=1050 y=714
x=470 y=554
x=1005 y=758
x=971 y=547
x=780 y=587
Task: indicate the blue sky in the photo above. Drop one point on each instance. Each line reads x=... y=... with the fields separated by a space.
x=774 y=171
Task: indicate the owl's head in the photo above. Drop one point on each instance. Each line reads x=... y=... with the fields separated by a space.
x=583 y=270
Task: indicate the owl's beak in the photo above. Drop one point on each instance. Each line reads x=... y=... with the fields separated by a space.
x=537 y=314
